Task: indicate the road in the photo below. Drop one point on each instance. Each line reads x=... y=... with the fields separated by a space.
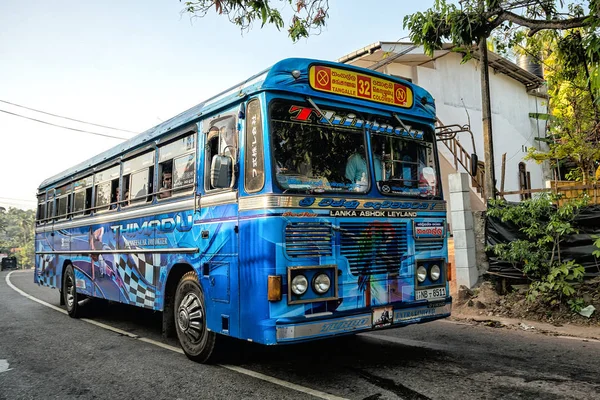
x=44 y=354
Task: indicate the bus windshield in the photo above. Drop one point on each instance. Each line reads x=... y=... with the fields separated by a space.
x=311 y=156
x=316 y=153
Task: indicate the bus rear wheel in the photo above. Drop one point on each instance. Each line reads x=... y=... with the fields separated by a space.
x=197 y=342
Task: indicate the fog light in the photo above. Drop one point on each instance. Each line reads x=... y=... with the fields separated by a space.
x=321 y=283
x=435 y=273
x=421 y=274
x=299 y=285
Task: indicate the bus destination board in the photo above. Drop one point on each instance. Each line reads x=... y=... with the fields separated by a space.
x=360 y=86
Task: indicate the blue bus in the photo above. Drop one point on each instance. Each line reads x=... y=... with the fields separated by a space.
x=300 y=204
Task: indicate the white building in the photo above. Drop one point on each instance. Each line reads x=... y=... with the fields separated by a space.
x=516 y=100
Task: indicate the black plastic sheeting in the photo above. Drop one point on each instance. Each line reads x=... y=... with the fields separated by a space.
x=577 y=247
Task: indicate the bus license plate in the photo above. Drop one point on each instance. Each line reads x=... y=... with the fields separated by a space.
x=430 y=294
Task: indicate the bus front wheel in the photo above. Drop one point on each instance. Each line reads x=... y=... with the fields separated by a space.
x=197 y=342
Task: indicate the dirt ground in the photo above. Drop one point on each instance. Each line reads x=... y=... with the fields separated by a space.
x=485 y=301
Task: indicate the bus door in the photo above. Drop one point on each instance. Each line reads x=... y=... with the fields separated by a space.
x=219 y=223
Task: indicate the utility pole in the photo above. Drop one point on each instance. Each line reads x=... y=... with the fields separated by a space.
x=486 y=111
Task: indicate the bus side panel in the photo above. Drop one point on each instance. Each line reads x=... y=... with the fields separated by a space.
x=257 y=262
x=82 y=264
x=214 y=233
x=45 y=264
x=104 y=267
x=49 y=266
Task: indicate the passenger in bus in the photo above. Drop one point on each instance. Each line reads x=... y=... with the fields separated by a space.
x=115 y=203
x=167 y=182
x=356 y=166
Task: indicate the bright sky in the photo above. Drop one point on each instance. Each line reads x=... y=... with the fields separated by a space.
x=132 y=64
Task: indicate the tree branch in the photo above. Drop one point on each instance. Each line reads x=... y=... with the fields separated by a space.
x=538 y=25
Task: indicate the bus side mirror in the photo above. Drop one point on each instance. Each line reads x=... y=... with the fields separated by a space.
x=220 y=171
x=474 y=164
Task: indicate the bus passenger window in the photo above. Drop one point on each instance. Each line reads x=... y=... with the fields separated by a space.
x=166 y=179
x=78 y=202
x=102 y=196
x=107 y=182
x=137 y=179
x=176 y=167
x=41 y=210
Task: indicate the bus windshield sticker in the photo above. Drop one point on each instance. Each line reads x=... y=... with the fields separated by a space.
x=360 y=86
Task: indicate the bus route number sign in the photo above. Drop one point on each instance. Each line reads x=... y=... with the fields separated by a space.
x=360 y=86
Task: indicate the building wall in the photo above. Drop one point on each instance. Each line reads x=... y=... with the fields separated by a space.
x=457 y=86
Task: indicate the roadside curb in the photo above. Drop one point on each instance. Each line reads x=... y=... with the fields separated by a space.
x=575 y=331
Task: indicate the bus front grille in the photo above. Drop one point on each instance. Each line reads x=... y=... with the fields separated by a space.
x=308 y=239
x=430 y=245
x=373 y=248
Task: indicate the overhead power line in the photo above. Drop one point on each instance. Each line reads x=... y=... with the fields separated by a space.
x=64 y=127
x=70 y=119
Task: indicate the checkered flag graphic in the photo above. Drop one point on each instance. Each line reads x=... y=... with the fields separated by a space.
x=138 y=272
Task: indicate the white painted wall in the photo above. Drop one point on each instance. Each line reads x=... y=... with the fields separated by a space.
x=452 y=84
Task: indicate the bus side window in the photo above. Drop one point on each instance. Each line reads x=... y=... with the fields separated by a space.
x=88 y=201
x=176 y=167
x=115 y=195
x=41 y=210
x=102 y=196
x=138 y=173
x=106 y=188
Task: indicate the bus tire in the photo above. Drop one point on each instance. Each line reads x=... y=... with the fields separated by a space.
x=69 y=292
x=197 y=342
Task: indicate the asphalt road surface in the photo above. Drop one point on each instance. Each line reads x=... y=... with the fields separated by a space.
x=118 y=353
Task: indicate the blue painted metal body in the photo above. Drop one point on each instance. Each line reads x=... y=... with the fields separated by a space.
x=242 y=240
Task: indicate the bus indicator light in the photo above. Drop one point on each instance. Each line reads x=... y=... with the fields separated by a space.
x=274 y=293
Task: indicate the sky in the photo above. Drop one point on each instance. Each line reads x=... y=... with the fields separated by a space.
x=133 y=64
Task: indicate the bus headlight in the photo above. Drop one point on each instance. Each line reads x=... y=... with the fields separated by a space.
x=321 y=283
x=421 y=274
x=435 y=273
x=299 y=285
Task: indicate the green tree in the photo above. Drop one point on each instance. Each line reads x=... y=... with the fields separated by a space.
x=17 y=234
x=308 y=16
x=575 y=126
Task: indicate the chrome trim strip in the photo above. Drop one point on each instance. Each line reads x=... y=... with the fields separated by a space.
x=323 y=328
x=145 y=211
x=187 y=250
x=287 y=201
x=219 y=199
x=361 y=322
x=152 y=209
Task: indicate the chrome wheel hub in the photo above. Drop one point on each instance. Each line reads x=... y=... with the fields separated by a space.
x=190 y=317
x=70 y=292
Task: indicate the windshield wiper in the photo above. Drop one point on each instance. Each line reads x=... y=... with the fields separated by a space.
x=406 y=128
x=316 y=107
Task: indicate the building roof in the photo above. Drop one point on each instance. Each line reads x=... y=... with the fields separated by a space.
x=377 y=55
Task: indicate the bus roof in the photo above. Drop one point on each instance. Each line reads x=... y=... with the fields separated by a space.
x=277 y=77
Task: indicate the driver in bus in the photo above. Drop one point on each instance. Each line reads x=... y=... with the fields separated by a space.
x=356 y=166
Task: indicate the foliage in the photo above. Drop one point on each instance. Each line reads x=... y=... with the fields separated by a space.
x=575 y=127
x=538 y=254
x=473 y=20
x=309 y=16
x=17 y=234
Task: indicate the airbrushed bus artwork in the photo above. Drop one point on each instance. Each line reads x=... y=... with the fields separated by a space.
x=301 y=204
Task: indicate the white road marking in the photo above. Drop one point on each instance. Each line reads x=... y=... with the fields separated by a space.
x=4 y=366
x=257 y=375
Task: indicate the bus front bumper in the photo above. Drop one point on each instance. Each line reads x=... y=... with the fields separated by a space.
x=321 y=326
